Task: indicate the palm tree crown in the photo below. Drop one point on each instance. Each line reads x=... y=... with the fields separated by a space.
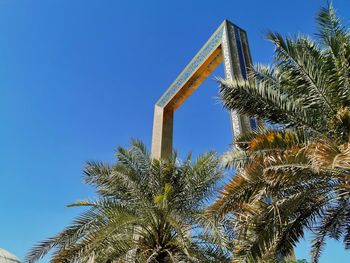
x=295 y=177
x=146 y=211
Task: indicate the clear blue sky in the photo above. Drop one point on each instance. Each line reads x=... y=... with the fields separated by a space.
x=80 y=77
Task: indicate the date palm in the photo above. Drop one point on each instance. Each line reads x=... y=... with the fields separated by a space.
x=296 y=177
x=146 y=211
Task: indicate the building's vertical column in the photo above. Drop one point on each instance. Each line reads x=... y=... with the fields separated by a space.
x=235 y=68
x=162 y=137
x=254 y=123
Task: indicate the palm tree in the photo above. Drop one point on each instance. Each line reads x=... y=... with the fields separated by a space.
x=147 y=211
x=295 y=177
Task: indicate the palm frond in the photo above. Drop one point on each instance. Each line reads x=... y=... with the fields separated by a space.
x=264 y=101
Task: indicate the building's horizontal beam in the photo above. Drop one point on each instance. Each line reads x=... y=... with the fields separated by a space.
x=192 y=67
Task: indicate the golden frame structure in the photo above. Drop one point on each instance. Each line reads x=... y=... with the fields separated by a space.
x=228 y=44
